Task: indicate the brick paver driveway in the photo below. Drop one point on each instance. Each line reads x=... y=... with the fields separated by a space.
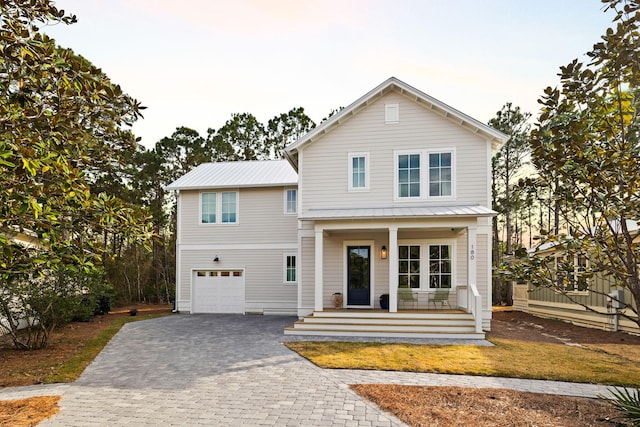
x=232 y=370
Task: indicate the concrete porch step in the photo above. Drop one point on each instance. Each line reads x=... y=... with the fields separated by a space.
x=377 y=323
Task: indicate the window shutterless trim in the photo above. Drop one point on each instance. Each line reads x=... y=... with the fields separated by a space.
x=351 y=157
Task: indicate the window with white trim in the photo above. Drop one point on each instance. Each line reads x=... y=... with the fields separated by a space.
x=358 y=171
x=208 y=208
x=422 y=174
x=290 y=269
x=440 y=174
x=291 y=201
x=229 y=207
x=440 y=266
x=408 y=175
x=409 y=266
x=219 y=208
x=571 y=273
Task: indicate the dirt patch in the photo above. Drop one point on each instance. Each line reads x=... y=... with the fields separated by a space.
x=456 y=406
x=28 y=412
x=20 y=367
x=516 y=325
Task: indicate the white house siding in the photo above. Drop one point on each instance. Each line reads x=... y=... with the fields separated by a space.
x=257 y=245
x=307 y=276
x=324 y=169
x=265 y=290
x=261 y=219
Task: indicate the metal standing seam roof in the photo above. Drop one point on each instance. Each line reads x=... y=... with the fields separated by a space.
x=399 y=212
x=255 y=173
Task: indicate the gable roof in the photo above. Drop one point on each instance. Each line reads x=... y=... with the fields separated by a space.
x=254 y=173
x=393 y=84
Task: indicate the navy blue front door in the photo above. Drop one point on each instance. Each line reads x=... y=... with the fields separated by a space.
x=359 y=275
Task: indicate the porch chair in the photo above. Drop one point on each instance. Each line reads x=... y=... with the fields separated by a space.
x=439 y=296
x=405 y=295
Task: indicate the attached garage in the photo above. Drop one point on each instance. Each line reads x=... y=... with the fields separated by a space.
x=218 y=291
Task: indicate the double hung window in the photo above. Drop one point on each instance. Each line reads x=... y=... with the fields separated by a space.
x=424 y=174
x=358 y=171
x=219 y=208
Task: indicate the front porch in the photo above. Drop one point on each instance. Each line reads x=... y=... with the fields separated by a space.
x=438 y=324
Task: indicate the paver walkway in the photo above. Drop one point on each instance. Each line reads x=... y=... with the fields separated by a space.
x=232 y=370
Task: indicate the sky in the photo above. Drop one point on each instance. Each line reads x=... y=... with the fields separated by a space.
x=194 y=63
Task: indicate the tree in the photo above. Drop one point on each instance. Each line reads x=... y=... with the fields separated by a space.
x=245 y=134
x=286 y=128
x=61 y=121
x=506 y=166
x=587 y=140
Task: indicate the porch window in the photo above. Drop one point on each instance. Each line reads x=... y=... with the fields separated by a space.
x=409 y=266
x=290 y=269
x=440 y=262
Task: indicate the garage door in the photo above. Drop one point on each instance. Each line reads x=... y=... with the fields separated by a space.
x=218 y=291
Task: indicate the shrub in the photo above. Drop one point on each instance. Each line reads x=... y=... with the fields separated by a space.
x=628 y=402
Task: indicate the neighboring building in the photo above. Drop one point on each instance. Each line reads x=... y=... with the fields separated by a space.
x=593 y=292
x=394 y=191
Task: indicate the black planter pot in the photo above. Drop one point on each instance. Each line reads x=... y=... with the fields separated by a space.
x=384 y=301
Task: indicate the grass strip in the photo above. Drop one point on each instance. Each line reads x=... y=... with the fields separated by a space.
x=71 y=369
x=508 y=358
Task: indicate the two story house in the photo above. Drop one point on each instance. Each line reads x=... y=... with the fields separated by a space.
x=390 y=196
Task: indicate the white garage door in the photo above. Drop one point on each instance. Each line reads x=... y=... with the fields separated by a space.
x=218 y=291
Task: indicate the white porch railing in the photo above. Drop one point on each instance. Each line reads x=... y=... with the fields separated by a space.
x=475 y=300
x=471 y=302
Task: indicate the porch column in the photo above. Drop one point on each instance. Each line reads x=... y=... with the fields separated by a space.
x=393 y=269
x=472 y=248
x=318 y=304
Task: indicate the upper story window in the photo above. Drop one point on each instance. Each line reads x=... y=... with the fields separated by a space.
x=229 y=207
x=219 y=208
x=424 y=174
x=208 y=208
x=291 y=201
x=409 y=175
x=440 y=176
x=358 y=171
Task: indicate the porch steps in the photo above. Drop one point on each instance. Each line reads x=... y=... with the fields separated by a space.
x=449 y=324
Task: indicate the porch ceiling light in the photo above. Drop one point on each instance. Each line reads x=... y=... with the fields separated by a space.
x=383 y=252
x=216 y=259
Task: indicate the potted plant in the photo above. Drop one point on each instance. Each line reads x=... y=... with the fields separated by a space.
x=337 y=300
x=384 y=301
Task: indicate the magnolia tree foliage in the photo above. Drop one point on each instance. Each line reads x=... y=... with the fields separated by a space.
x=586 y=142
x=61 y=121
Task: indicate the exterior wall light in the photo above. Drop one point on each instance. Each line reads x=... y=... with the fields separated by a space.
x=216 y=259
x=383 y=252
